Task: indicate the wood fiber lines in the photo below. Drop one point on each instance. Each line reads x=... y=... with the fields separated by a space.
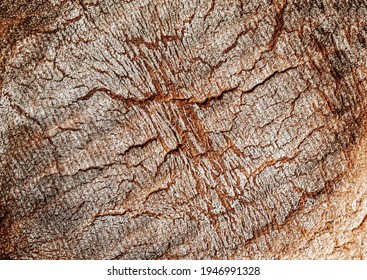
x=183 y=129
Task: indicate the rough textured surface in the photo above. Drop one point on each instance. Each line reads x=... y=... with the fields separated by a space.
x=183 y=129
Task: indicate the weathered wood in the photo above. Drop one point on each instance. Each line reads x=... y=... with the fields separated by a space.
x=183 y=129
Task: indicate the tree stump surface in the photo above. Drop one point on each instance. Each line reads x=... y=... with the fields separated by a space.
x=183 y=129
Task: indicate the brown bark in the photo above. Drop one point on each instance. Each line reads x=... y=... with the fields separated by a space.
x=183 y=129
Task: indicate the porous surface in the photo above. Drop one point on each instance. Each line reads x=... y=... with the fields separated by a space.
x=183 y=129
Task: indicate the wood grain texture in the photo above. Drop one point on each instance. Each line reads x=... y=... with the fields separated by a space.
x=183 y=129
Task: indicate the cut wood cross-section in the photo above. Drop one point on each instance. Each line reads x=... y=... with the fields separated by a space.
x=183 y=129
